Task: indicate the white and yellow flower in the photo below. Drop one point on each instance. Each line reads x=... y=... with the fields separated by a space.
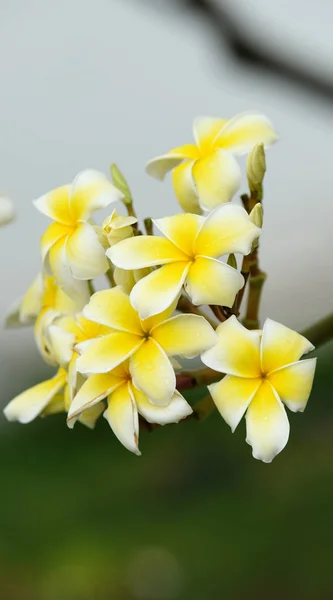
x=32 y=402
x=206 y=174
x=71 y=248
x=263 y=371
x=56 y=394
x=147 y=343
x=7 y=211
x=67 y=331
x=189 y=255
x=43 y=302
x=118 y=227
x=49 y=397
x=124 y=403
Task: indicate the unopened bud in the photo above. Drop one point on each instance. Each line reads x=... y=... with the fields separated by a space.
x=256 y=215
x=256 y=167
x=117 y=227
x=120 y=182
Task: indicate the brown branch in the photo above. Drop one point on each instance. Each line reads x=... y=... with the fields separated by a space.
x=187 y=380
x=185 y=306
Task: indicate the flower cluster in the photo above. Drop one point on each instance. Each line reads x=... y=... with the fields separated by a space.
x=175 y=292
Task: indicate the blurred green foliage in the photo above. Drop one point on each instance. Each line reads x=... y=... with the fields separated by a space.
x=196 y=517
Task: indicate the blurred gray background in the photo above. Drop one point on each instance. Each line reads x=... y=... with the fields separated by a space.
x=85 y=83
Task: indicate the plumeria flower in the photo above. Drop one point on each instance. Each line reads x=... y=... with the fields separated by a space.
x=206 y=174
x=117 y=227
x=43 y=302
x=188 y=254
x=7 y=212
x=67 y=331
x=47 y=398
x=71 y=248
x=56 y=394
x=147 y=343
x=124 y=403
x=263 y=371
x=29 y=404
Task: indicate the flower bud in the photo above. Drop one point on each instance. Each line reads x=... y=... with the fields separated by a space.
x=117 y=227
x=256 y=215
x=120 y=182
x=256 y=167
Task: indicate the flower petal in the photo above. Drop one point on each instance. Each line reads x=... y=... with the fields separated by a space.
x=205 y=131
x=113 y=309
x=181 y=230
x=281 y=346
x=237 y=351
x=90 y=416
x=104 y=353
x=144 y=251
x=55 y=406
x=85 y=255
x=122 y=417
x=124 y=279
x=95 y=388
x=90 y=191
x=55 y=205
x=31 y=303
x=28 y=405
x=217 y=178
x=226 y=229
x=185 y=335
x=232 y=396
x=54 y=232
x=57 y=259
x=156 y=292
x=267 y=425
x=61 y=342
x=175 y=411
x=245 y=130
x=293 y=383
x=210 y=281
x=184 y=187
x=152 y=373
x=158 y=167
x=42 y=323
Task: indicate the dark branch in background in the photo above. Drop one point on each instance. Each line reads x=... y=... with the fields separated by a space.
x=253 y=52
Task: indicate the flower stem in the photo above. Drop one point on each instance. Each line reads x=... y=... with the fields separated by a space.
x=256 y=283
x=252 y=273
x=187 y=380
x=91 y=287
x=109 y=276
x=148 y=223
x=185 y=306
x=320 y=332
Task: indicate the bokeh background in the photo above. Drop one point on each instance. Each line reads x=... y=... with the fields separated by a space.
x=87 y=82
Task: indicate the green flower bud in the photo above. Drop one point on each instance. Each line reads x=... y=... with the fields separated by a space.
x=256 y=215
x=256 y=167
x=120 y=182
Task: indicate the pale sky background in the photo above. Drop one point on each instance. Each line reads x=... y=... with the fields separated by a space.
x=88 y=82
